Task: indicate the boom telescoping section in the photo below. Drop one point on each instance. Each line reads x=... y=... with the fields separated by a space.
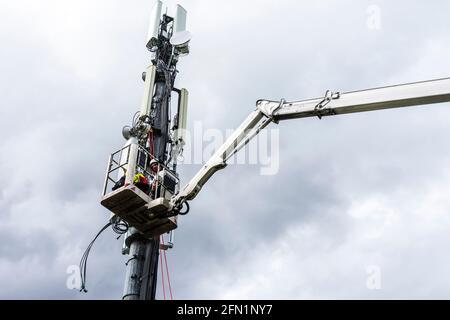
x=333 y=103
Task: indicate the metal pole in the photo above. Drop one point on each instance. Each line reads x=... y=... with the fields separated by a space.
x=135 y=266
x=149 y=278
x=141 y=276
x=142 y=267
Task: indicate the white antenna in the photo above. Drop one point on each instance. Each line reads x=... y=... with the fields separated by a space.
x=180 y=19
x=155 y=18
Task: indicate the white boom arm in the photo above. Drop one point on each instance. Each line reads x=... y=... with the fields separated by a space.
x=418 y=93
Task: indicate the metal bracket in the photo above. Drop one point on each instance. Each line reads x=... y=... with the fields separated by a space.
x=329 y=95
x=269 y=109
x=282 y=102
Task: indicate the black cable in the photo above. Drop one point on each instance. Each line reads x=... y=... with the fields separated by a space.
x=120 y=227
x=187 y=209
x=83 y=261
x=134 y=120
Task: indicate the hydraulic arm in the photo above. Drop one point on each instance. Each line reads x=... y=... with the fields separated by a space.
x=333 y=103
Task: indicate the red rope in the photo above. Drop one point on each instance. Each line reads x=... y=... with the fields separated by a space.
x=162 y=274
x=151 y=146
x=167 y=270
x=168 y=277
x=153 y=142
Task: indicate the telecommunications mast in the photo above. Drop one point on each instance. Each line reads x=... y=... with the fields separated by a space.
x=141 y=177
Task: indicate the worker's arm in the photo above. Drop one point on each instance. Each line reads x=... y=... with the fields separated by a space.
x=419 y=93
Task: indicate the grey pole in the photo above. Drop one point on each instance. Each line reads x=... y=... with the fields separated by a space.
x=141 y=277
x=142 y=267
x=149 y=277
x=135 y=266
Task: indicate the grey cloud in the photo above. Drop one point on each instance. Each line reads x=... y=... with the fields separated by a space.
x=68 y=91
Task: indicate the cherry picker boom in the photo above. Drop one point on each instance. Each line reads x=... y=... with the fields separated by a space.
x=333 y=103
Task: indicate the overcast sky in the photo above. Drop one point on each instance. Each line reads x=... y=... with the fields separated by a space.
x=352 y=193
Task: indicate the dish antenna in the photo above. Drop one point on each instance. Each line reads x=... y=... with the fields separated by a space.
x=179 y=37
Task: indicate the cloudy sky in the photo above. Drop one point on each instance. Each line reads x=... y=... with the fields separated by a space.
x=353 y=193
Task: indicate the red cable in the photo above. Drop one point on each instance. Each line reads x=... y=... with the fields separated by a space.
x=167 y=270
x=168 y=277
x=150 y=142
x=162 y=274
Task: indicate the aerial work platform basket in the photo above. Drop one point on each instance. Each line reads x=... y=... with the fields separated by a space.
x=148 y=213
x=140 y=211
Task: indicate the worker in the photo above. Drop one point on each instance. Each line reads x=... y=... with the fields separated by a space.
x=119 y=183
x=141 y=182
x=154 y=166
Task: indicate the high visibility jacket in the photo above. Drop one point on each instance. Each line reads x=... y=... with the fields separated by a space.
x=140 y=178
